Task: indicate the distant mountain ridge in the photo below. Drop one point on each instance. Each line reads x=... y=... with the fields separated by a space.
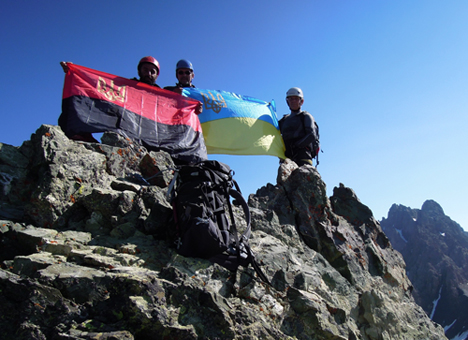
x=435 y=250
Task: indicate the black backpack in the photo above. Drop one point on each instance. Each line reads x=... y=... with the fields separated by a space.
x=315 y=145
x=201 y=197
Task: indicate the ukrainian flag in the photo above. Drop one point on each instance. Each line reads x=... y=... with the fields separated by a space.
x=233 y=124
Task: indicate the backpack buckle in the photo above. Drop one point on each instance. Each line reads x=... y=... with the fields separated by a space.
x=178 y=242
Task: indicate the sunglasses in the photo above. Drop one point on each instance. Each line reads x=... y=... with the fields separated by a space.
x=184 y=72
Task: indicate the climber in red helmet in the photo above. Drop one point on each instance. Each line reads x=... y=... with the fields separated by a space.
x=148 y=70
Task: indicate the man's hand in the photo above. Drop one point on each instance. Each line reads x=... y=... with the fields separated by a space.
x=199 y=108
x=64 y=65
x=178 y=90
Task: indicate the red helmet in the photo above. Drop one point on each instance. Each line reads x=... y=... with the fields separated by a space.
x=150 y=60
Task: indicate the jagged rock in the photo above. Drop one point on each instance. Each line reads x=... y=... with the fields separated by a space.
x=13 y=181
x=87 y=258
x=435 y=249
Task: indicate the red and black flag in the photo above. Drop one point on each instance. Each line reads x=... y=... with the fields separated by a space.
x=95 y=101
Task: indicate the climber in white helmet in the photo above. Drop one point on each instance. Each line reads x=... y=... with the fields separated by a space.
x=299 y=130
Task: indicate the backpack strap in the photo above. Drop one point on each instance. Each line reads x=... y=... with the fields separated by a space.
x=238 y=196
x=315 y=128
x=255 y=265
x=233 y=221
x=170 y=189
x=245 y=235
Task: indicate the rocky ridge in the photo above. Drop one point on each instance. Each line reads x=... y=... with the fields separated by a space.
x=435 y=250
x=84 y=256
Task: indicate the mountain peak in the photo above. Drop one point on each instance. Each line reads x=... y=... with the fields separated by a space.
x=84 y=255
x=433 y=208
x=435 y=250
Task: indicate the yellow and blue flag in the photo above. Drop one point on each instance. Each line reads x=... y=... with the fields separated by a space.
x=233 y=124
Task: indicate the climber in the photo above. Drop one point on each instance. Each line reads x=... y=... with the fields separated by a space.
x=299 y=130
x=185 y=75
x=148 y=71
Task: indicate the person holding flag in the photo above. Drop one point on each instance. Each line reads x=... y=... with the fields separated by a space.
x=185 y=75
x=148 y=71
x=94 y=102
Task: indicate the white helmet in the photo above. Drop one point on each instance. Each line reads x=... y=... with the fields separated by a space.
x=294 y=91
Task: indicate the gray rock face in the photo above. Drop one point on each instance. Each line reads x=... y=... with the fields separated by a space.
x=435 y=249
x=84 y=256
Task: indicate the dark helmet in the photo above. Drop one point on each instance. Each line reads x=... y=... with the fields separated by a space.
x=150 y=60
x=184 y=63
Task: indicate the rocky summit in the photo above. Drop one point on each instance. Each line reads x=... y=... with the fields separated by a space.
x=84 y=255
x=435 y=249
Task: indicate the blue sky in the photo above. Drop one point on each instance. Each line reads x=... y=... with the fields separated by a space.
x=387 y=81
